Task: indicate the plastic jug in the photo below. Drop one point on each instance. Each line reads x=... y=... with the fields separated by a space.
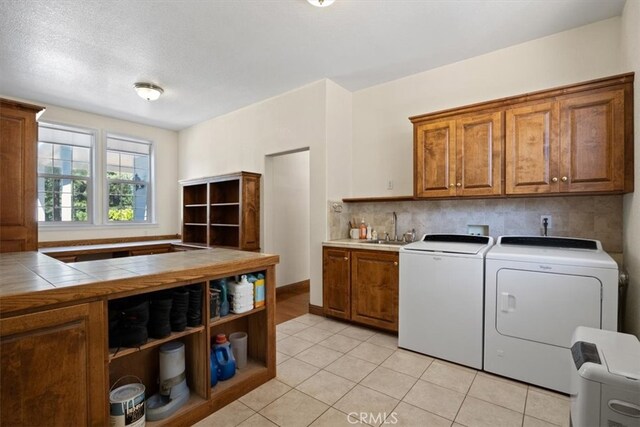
x=221 y=284
x=213 y=366
x=224 y=358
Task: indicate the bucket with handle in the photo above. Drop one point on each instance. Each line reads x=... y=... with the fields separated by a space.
x=126 y=404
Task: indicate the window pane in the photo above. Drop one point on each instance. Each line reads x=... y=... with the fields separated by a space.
x=67 y=152
x=127 y=202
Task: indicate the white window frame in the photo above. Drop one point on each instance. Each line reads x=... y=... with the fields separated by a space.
x=150 y=182
x=91 y=220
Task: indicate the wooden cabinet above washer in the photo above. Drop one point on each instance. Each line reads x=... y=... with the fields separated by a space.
x=575 y=139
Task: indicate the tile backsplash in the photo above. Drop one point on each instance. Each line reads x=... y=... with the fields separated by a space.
x=591 y=217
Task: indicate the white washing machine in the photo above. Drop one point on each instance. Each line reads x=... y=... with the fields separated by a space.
x=441 y=297
x=605 y=381
x=538 y=290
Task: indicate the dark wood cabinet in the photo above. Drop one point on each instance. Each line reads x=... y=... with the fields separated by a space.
x=222 y=211
x=574 y=139
x=531 y=164
x=374 y=288
x=361 y=285
x=53 y=367
x=336 y=273
x=18 y=175
x=458 y=156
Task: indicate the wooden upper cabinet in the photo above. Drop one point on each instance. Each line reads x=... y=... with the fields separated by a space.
x=459 y=157
x=374 y=288
x=479 y=155
x=336 y=282
x=572 y=139
x=592 y=146
x=18 y=175
x=531 y=149
x=435 y=159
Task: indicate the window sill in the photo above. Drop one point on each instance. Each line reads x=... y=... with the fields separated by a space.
x=57 y=227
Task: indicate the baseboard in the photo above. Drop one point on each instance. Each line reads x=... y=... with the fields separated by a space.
x=293 y=288
x=316 y=309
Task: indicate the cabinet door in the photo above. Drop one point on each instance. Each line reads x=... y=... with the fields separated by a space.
x=335 y=282
x=250 y=227
x=53 y=368
x=435 y=159
x=479 y=155
x=532 y=146
x=374 y=288
x=18 y=222
x=592 y=142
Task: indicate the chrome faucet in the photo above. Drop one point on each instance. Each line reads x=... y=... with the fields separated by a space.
x=394 y=220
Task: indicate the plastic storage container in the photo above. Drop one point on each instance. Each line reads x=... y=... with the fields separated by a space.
x=258 y=291
x=241 y=295
x=224 y=358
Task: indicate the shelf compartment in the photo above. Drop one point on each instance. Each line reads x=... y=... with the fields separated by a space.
x=224 y=236
x=225 y=214
x=145 y=364
x=194 y=194
x=224 y=191
x=197 y=215
x=194 y=234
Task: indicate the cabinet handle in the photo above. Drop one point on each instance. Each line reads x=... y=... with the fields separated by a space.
x=554 y=179
x=395 y=263
x=459 y=184
x=346 y=258
x=564 y=179
x=451 y=185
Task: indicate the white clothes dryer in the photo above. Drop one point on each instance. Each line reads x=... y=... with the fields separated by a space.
x=538 y=290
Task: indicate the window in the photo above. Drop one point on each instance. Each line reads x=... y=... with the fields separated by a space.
x=128 y=175
x=65 y=158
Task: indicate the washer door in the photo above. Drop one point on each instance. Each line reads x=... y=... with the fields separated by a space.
x=545 y=307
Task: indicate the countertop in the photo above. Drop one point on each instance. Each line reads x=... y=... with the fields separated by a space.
x=30 y=280
x=359 y=244
x=108 y=246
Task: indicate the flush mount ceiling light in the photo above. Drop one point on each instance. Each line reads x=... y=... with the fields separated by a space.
x=321 y=3
x=148 y=91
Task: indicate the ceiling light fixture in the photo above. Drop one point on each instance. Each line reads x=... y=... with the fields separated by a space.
x=148 y=91
x=321 y=3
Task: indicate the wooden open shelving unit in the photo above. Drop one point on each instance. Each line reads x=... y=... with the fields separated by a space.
x=259 y=324
x=222 y=211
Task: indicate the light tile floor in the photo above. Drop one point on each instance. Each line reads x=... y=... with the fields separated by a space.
x=329 y=369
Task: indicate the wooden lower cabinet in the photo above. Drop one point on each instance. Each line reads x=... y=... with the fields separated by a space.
x=53 y=367
x=336 y=273
x=362 y=286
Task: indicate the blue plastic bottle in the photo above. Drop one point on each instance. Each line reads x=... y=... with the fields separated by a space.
x=224 y=357
x=213 y=366
x=224 y=301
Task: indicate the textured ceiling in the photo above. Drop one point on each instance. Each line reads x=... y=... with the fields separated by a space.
x=216 y=56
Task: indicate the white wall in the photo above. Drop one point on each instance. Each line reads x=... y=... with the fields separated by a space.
x=288 y=223
x=166 y=149
x=240 y=141
x=630 y=43
x=383 y=135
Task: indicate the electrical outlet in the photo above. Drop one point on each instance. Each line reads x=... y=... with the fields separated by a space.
x=549 y=219
x=390 y=184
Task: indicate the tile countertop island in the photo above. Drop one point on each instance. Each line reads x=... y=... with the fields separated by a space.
x=361 y=244
x=31 y=280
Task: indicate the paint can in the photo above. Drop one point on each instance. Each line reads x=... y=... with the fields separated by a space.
x=126 y=405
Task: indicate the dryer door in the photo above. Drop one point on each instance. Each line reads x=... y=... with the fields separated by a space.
x=545 y=307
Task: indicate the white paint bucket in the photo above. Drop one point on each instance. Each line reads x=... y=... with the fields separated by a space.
x=126 y=405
